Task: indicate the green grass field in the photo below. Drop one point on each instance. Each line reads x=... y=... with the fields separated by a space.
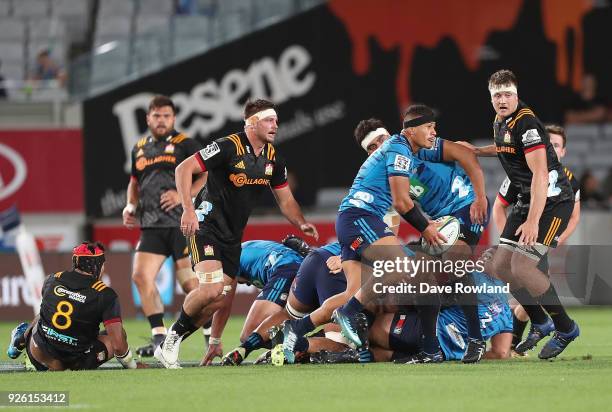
x=581 y=379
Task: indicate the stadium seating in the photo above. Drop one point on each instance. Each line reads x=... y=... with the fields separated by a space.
x=30 y=8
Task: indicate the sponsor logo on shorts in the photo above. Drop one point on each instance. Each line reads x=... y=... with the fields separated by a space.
x=400 y=325
x=101 y=356
x=62 y=291
x=269 y=169
x=283 y=297
x=356 y=243
x=241 y=179
x=210 y=150
x=504 y=186
x=54 y=335
x=209 y=250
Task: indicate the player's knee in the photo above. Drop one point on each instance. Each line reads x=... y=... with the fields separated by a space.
x=141 y=280
x=501 y=268
x=210 y=291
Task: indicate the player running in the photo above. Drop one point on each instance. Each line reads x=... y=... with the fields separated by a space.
x=66 y=334
x=238 y=169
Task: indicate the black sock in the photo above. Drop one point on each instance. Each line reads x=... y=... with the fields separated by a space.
x=156 y=320
x=253 y=342
x=428 y=308
x=370 y=317
x=518 y=327
x=470 y=309
x=183 y=324
x=207 y=324
x=396 y=355
x=550 y=301
x=531 y=306
x=304 y=326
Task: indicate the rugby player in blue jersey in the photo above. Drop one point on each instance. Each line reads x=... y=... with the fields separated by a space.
x=382 y=181
x=442 y=189
x=314 y=283
x=269 y=266
x=442 y=185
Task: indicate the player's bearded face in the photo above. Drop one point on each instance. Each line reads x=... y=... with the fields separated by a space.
x=161 y=121
x=266 y=128
x=504 y=103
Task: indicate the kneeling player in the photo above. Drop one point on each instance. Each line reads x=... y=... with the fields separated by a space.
x=66 y=335
x=313 y=285
x=397 y=336
x=271 y=267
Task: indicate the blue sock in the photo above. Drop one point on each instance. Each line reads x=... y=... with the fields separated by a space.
x=365 y=356
x=301 y=345
x=353 y=306
x=253 y=342
x=304 y=326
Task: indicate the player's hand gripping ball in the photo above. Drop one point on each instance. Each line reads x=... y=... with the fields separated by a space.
x=450 y=227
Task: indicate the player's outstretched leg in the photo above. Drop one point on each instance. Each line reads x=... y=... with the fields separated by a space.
x=537 y=332
x=558 y=343
x=17 y=343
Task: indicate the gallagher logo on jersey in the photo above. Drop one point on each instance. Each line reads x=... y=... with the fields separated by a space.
x=241 y=179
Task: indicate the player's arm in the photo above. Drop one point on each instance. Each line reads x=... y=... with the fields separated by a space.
x=467 y=160
x=507 y=195
x=499 y=214
x=129 y=211
x=572 y=224
x=500 y=346
x=198 y=183
x=183 y=178
x=111 y=318
x=291 y=210
x=537 y=163
x=403 y=204
x=219 y=321
x=483 y=151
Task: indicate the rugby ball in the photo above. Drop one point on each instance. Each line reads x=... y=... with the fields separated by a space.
x=450 y=227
